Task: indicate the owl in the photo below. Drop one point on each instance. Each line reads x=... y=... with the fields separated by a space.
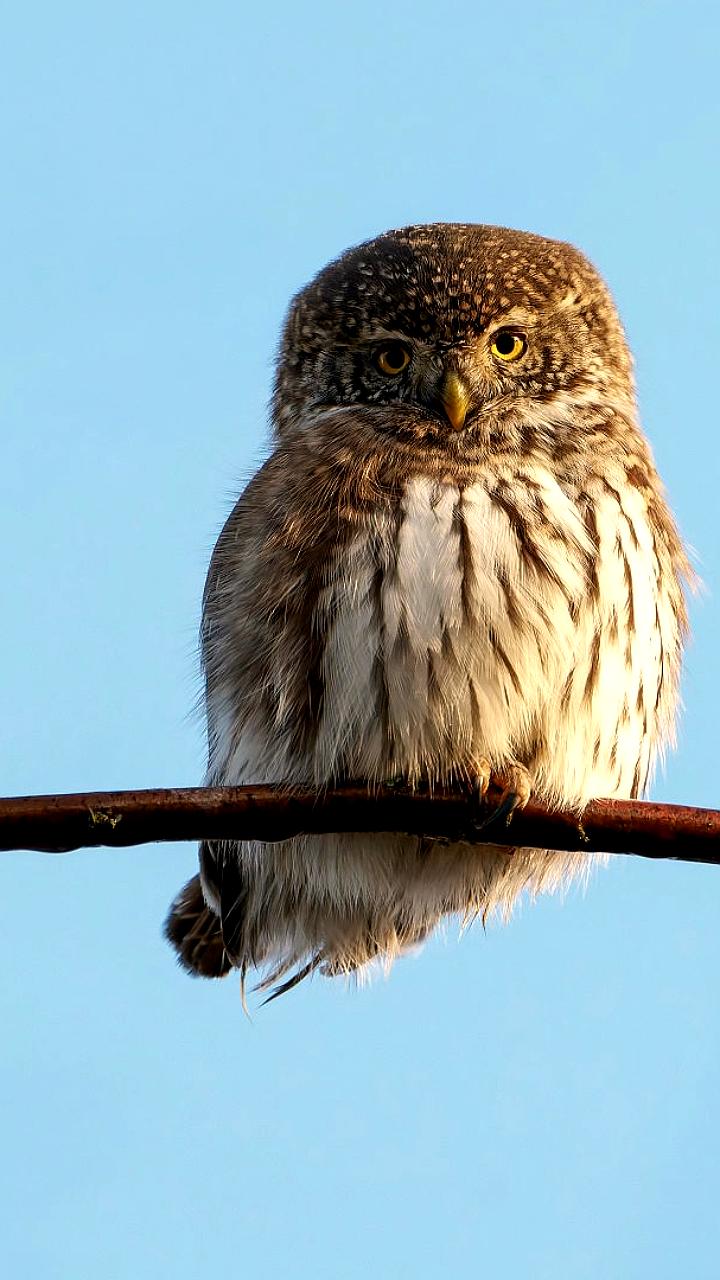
x=457 y=563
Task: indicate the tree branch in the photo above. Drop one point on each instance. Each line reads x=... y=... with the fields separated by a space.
x=57 y=824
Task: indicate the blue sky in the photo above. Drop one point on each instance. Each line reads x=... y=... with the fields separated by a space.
x=535 y=1101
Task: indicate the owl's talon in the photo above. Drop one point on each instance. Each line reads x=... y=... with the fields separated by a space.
x=475 y=784
x=505 y=809
x=516 y=791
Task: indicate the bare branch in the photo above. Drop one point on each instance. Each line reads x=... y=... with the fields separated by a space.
x=57 y=824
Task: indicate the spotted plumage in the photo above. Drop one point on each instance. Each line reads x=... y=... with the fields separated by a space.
x=458 y=556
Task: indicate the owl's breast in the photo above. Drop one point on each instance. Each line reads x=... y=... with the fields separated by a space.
x=448 y=629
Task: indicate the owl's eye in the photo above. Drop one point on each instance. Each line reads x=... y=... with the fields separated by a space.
x=508 y=345
x=392 y=358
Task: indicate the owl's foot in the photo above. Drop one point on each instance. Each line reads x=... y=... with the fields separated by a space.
x=515 y=787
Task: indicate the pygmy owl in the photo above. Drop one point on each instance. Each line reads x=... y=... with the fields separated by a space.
x=457 y=560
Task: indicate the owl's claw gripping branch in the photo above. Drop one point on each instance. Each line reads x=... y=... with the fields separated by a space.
x=515 y=784
x=516 y=789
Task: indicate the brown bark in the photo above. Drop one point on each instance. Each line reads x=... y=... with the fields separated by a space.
x=57 y=824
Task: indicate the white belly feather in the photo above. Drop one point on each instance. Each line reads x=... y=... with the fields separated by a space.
x=465 y=676
x=446 y=643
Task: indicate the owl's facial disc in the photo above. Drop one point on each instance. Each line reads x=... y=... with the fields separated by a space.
x=453 y=334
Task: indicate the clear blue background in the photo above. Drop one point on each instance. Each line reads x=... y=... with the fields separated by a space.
x=536 y=1101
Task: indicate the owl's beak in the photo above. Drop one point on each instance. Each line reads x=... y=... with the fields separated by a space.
x=455 y=399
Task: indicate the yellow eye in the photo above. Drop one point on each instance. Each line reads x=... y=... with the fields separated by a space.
x=392 y=358
x=508 y=346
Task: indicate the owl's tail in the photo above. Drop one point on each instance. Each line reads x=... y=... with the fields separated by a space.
x=196 y=935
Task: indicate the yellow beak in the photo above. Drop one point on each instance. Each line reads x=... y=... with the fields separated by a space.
x=456 y=400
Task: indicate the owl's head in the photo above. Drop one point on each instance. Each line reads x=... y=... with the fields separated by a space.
x=448 y=330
